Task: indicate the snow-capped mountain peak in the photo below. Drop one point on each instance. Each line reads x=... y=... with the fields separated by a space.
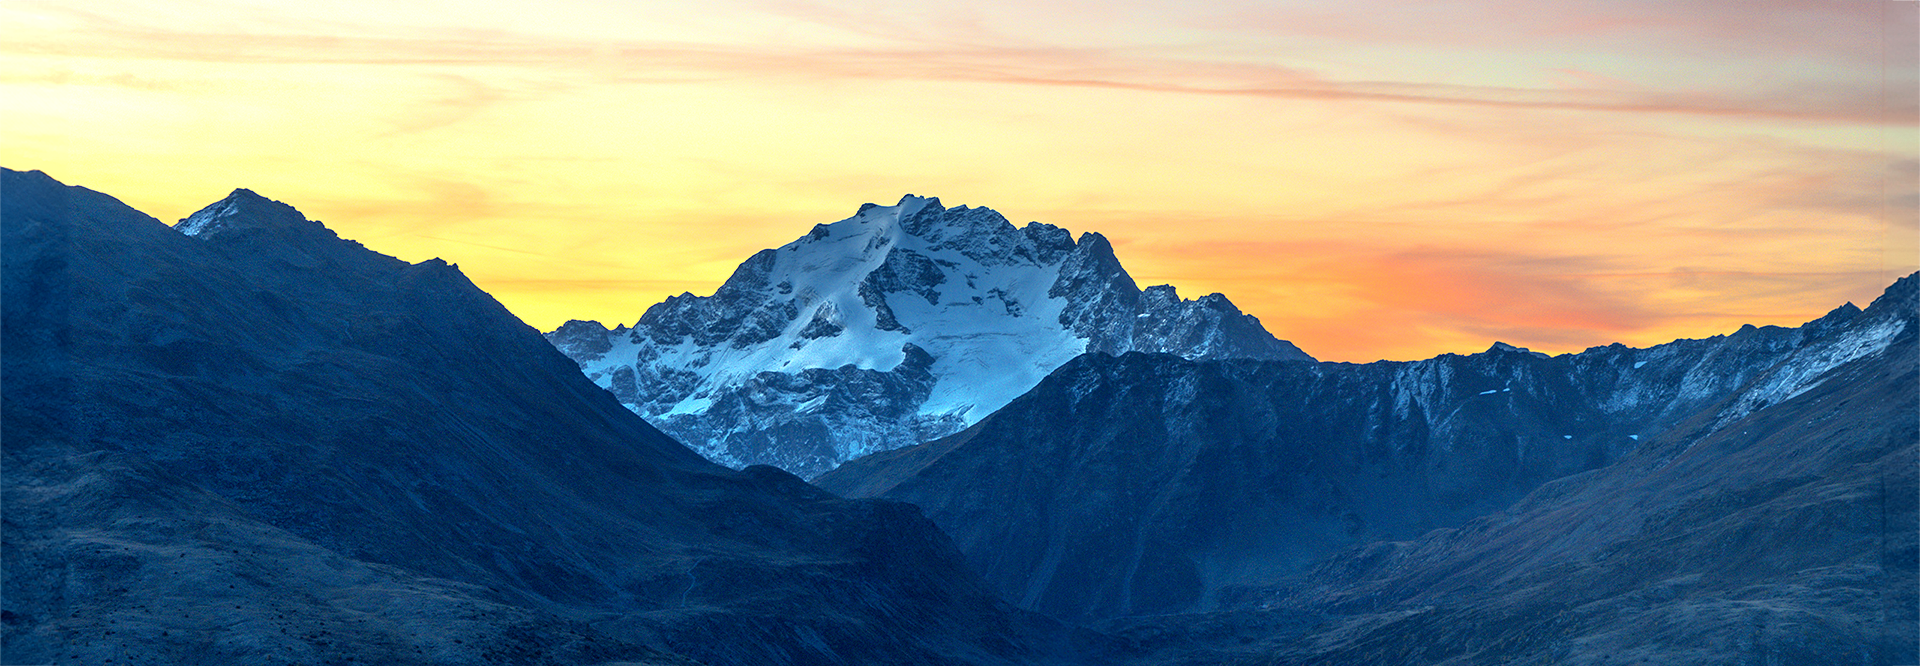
x=810 y=354
x=244 y=210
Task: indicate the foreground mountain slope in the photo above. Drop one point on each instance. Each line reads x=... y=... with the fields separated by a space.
x=112 y=560
x=258 y=437
x=1145 y=484
x=895 y=326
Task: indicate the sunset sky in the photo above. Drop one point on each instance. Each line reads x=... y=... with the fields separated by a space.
x=1372 y=180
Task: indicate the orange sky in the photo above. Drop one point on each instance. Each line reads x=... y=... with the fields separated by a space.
x=1371 y=184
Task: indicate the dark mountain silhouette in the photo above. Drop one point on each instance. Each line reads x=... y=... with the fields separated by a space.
x=244 y=440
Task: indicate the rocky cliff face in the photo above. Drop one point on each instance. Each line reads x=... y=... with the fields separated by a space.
x=1149 y=484
x=895 y=326
x=244 y=440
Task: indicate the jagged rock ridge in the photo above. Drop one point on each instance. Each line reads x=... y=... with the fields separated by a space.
x=1147 y=484
x=1777 y=525
x=895 y=326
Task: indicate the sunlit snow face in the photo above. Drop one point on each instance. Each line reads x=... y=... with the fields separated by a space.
x=983 y=310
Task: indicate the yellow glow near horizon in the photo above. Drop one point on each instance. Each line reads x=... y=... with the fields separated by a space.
x=1369 y=186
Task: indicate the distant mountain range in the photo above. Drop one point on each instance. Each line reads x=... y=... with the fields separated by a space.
x=245 y=440
x=895 y=326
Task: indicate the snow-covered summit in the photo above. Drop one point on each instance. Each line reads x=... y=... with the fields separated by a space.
x=244 y=210
x=264 y=230
x=893 y=326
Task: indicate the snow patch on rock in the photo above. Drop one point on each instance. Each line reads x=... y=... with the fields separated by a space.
x=1804 y=370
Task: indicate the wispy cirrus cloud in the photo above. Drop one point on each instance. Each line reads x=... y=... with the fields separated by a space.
x=1850 y=30
x=1156 y=69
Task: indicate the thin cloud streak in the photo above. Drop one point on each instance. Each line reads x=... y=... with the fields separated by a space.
x=658 y=63
x=1850 y=30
